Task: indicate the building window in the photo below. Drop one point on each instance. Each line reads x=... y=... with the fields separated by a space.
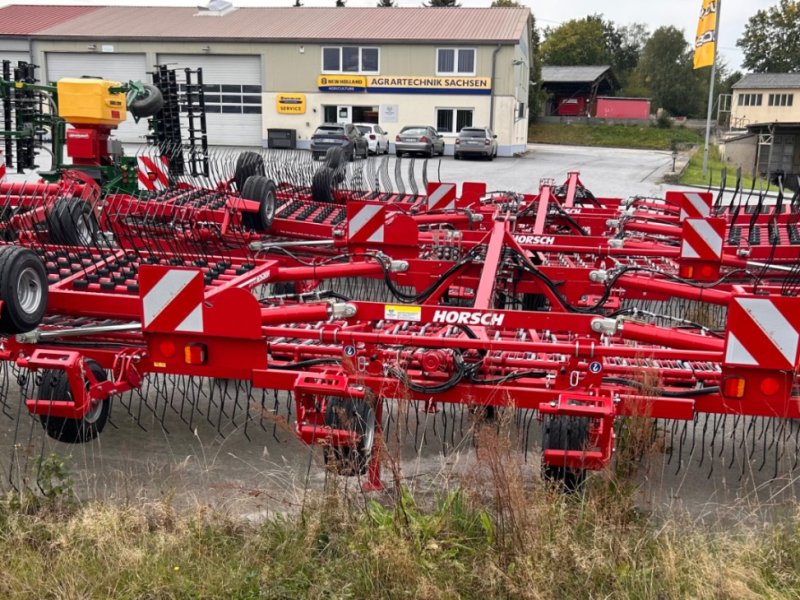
x=781 y=99
x=520 y=110
x=453 y=120
x=750 y=99
x=455 y=61
x=350 y=59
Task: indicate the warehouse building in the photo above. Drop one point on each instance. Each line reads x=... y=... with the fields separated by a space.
x=295 y=68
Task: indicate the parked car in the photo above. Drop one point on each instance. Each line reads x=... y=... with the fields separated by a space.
x=477 y=141
x=336 y=135
x=419 y=138
x=377 y=138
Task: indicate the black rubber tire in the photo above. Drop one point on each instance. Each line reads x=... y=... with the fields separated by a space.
x=148 y=106
x=399 y=154
x=456 y=156
x=72 y=222
x=432 y=152
x=564 y=433
x=247 y=165
x=351 y=415
x=16 y=262
x=322 y=185
x=264 y=191
x=55 y=386
x=334 y=157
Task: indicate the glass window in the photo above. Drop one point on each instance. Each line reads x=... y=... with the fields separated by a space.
x=453 y=120
x=463 y=119
x=369 y=60
x=330 y=114
x=444 y=120
x=455 y=61
x=446 y=62
x=789 y=99
x=350 y=59
x=330 y=59
x=466 y=61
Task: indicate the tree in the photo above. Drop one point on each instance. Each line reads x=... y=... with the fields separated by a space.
x=505 y=4
x=340 y=3
x=386 y=4
x=441 y=4
x=576 y=42
x=771 y=39
x=536 y=95
x=666 y=69
x=297 y=4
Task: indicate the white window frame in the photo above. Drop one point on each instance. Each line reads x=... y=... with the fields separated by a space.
x=456 y=52
x=454 y=110
x=360 y=71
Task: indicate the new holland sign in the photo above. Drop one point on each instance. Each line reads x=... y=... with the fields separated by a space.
x=378 y=84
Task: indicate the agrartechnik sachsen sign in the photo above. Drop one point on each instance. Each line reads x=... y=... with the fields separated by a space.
x=399 y=84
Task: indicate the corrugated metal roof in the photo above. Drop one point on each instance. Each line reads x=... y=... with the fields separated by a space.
x=27 y=20
x=297 y=24
x=769 y=81
x=579 y=74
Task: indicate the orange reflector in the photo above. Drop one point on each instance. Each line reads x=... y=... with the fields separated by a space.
x=733 y=387
x=195 y=354
x=686 y=271
x=769 y=386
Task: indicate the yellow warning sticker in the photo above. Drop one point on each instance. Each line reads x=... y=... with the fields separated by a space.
x=402 y=312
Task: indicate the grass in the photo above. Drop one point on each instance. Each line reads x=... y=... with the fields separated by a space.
x=694 y=172
x=500 y=534
x=612 y=136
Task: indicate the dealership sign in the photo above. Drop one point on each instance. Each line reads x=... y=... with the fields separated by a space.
x=290 y=104
x=377 y=84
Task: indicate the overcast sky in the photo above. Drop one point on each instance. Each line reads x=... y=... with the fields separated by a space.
x=654 y=13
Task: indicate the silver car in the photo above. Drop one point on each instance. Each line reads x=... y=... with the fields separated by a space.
x=476 y=141
x=419 y=138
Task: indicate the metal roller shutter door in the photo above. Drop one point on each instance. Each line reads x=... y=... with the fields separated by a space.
x=115 y=67
x=233 y=95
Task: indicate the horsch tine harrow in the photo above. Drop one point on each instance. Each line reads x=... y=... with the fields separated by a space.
x=390 y=306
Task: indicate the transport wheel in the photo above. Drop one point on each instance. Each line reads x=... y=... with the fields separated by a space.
x=334 y=157
x=148 y=106
x=248 y=164
x=356 y=416
x=322 y=185
x=72 y=222
x=23 y=290
x=263 y=190
x=564 y=433
x=55 y=386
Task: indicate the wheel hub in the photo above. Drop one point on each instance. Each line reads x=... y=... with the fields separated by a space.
x=29 y=290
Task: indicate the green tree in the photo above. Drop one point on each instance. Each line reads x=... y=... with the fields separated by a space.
x=505 y=4
x=386 y=4
x=576 y=42
x=771 y=39
x=441 y=4
x=666 y=69
x=536 y=95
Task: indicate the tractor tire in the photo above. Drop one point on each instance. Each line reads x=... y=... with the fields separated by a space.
x=564 y=433
x=322 y=185
x=72 y=222
x=148 y=106
x=356 y=416
x=247 y=165
x=23 y=290
x=263 y=190
x=55 y=386
x=335 y=158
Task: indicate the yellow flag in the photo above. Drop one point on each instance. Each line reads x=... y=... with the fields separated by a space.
x=706 y=35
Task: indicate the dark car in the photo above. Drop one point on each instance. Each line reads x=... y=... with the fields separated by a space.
x=334 y=135
x=476 y=141
x=419 y=138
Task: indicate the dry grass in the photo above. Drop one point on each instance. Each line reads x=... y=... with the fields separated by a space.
x=501 y=534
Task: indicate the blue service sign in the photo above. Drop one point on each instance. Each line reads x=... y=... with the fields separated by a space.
x=595 y=367
x=349 y=350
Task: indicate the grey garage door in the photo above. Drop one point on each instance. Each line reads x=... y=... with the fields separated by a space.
x=233 y=95
x=115 y=67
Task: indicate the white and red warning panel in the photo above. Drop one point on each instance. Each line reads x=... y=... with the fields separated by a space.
x=693 y=205
x=172 y=300
x=701 y=248
x=441 y=196
x=153 y=172
x=2 y=167
x=763 y=333
x=366 y=223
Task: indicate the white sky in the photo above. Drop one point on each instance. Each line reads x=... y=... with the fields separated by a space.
x=654 y=13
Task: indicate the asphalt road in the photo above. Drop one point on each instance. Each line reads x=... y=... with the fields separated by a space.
x=193 y=447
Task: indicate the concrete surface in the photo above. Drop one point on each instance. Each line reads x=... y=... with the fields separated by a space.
x=163 y=448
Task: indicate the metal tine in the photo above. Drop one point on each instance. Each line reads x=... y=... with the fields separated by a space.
x=412 y=180
x=386 y=180
x=399 y=185
x=425 y=176
x=736 y=193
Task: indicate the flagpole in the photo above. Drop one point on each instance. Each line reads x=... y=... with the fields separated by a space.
x=711 y=88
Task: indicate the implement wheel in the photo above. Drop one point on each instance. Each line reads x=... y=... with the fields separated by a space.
x=356 y=416
x=149 y=105
x=564 y=433
x=55 y=386
x=72 y=222
x=247 y=165
x=322 y=185
x=262 y=190
x=23 y=290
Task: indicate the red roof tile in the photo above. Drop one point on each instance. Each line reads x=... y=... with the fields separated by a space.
x=27 y=20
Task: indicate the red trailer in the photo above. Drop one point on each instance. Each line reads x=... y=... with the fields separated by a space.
x=623 y=108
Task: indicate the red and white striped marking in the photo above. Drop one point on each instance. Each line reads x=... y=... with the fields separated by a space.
x=441 y=196
x=153 y=172
x=2 y=167
x=693 y=205
x=702 y=239
x=763 y=332
x=365 y=223
x=172 y=299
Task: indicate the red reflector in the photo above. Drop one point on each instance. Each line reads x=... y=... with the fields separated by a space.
x=686 y=271
x=733 y=387
x=195 y=354
x=115 y=114
x=769 y=386
x=167 y=348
